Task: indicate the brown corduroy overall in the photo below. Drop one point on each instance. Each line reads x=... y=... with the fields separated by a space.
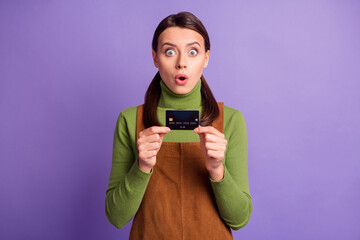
x=179 y=202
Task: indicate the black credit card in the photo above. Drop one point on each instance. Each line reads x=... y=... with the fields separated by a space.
x=182 y=119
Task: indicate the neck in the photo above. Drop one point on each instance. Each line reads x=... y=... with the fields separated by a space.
x=169 y=99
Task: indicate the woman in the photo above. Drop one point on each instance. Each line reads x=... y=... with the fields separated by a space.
x=179 y=184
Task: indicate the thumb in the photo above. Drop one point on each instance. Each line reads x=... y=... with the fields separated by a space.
x=202 y=137
x=162 y=136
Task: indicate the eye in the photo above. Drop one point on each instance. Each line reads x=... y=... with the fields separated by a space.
x=170 y=52
x=193 y=52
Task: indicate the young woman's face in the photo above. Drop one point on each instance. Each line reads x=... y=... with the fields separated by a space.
x=180 y=58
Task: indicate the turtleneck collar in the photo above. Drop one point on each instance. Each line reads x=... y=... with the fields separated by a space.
x=169 y=99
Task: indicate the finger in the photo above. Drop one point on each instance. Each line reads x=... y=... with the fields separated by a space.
x=153 y=130
x=215 y=146
x=209 y=129
x=149 y=138
x=149 y=146
x=214 y=138
x=217 y=155
x=147 y=154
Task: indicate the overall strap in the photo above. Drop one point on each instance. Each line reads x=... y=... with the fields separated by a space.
x=218 y=123
x=139 y=121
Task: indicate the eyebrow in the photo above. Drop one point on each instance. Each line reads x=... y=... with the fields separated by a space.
x=173 y=45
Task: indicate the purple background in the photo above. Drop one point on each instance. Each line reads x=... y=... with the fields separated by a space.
x=67 y=69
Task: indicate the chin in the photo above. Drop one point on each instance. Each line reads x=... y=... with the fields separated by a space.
x=182 y=90
x=179 y=92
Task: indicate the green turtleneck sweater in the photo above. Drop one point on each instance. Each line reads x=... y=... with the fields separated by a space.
x=127 y=183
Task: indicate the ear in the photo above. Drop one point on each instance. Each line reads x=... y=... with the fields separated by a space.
x=207 y=55
x=154 y=59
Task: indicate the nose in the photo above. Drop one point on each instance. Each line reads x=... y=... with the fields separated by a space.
x=181 y=63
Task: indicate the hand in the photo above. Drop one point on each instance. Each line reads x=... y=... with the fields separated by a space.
x=213 y=146
x=149 y=144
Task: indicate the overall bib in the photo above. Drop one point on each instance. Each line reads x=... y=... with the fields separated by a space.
x=179 y=202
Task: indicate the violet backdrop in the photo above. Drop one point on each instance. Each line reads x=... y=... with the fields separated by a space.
x=67 y=69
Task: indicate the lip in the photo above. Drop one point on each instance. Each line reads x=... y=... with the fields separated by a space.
x=181 y=79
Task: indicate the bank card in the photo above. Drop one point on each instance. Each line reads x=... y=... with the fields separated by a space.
x=182 y=119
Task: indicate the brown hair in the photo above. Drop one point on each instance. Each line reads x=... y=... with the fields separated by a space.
x=210 y=107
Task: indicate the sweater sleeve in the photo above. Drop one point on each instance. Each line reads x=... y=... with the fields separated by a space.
x=127 y=183
x=232 y=192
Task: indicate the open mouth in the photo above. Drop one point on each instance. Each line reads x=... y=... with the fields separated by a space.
x=181 y=79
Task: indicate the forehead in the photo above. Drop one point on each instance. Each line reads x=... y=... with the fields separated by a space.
x=180 y=36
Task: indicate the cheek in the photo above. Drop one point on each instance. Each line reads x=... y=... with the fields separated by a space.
x=198 y=66
x=164 y=64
